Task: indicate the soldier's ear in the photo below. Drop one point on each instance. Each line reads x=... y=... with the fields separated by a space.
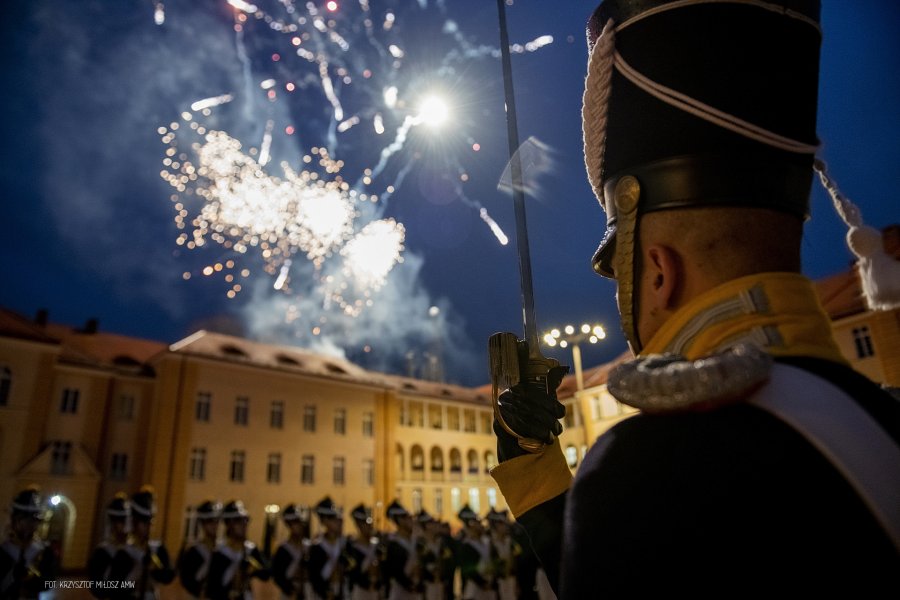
x=665 y=276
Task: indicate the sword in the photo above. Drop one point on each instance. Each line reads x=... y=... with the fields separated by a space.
x=513 y=360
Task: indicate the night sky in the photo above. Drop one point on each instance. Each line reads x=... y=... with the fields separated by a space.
x=90 y=228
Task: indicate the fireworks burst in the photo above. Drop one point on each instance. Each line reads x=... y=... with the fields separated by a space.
x=354 y=62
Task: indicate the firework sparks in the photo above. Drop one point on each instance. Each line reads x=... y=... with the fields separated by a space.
x=226 y=197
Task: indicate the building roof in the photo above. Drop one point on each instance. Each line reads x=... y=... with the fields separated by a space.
x=228 y=348
x=85 y=347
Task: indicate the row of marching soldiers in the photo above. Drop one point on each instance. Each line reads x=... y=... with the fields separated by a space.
x=419 y=560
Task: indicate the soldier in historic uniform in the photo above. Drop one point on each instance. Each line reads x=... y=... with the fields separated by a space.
x=236 y=560
x=760 y=462
x=327 y=562
x=474 y=558
x=505 y=553
x=289 y=563
x=26 y=562
x=366 y=553
x=194 y=560
x=402 y=568
x=435 y=556
x=110 y=563
x=152 y=566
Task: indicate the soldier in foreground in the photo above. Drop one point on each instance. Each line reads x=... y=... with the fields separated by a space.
x=402 y=568
x=236 y=560
x=193 y=562
x=366 y=553
x=289 y=562
x=110 y=560
x=26 y=562
x=327 y=563
x=151 y=564
x=700 y=135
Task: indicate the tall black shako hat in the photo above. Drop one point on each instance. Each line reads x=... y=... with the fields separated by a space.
x=27 y=502
x=362 y=514
x=692 y=103
x=234 y=510
x=143 y=506
x=118 y=507
x=209 y=510
x=292 y=512
x=395 y=511
x=326 y=508
x=466 y=515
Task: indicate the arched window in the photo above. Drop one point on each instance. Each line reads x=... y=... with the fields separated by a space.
x=437 y=459
x=490 y=461
x=417 y=458
x=472 y=459
x=455 y=461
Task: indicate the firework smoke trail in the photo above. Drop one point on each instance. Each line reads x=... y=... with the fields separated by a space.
x=346 y=82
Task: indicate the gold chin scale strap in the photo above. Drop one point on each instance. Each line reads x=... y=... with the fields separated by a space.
x=626 y=196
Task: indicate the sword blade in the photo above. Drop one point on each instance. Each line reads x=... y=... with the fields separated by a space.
x=518 y=188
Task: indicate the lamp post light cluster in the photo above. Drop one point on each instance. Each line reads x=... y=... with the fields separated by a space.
x=572 y=336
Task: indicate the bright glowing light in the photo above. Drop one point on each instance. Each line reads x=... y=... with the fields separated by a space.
x=433 y=111
x=374 y=251
x=331 y=5
x=55 y=500
x=569 y=329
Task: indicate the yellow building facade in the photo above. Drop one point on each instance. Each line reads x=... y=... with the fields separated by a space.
x=85 y=414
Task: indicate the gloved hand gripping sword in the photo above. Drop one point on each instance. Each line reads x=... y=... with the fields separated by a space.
x=523 y=381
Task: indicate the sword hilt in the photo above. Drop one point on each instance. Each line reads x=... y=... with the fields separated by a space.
x=514 y=361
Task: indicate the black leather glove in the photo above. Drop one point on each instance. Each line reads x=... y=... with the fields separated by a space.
x=531 y=412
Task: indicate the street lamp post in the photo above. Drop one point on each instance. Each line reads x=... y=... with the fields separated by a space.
x=570 y=336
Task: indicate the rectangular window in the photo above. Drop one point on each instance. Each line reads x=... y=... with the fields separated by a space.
x=487 y=420
x=118 y=468
x=492 y=497
x=308 y=469
x=368 y=424
x=273 y=468
x=570 y=419
x=475 y=500
x=198 y=464
x=237 y=465
x=452 y=418
x=201 y=410
x=469 y=420
x=241 y=410
x=338 y=470
x=417 y=500
x=416 y=414
x=435 y=416
x=368 y=471
x=60 y=462
x=69 y=402
x=438 y=501
x=455 y=503
x=276 y=417
x=340 y=421
x=863 y=342
x=5 y=384
x=309 y=418
x=125 y=407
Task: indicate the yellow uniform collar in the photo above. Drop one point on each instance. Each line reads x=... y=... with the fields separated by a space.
x=779 y=312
